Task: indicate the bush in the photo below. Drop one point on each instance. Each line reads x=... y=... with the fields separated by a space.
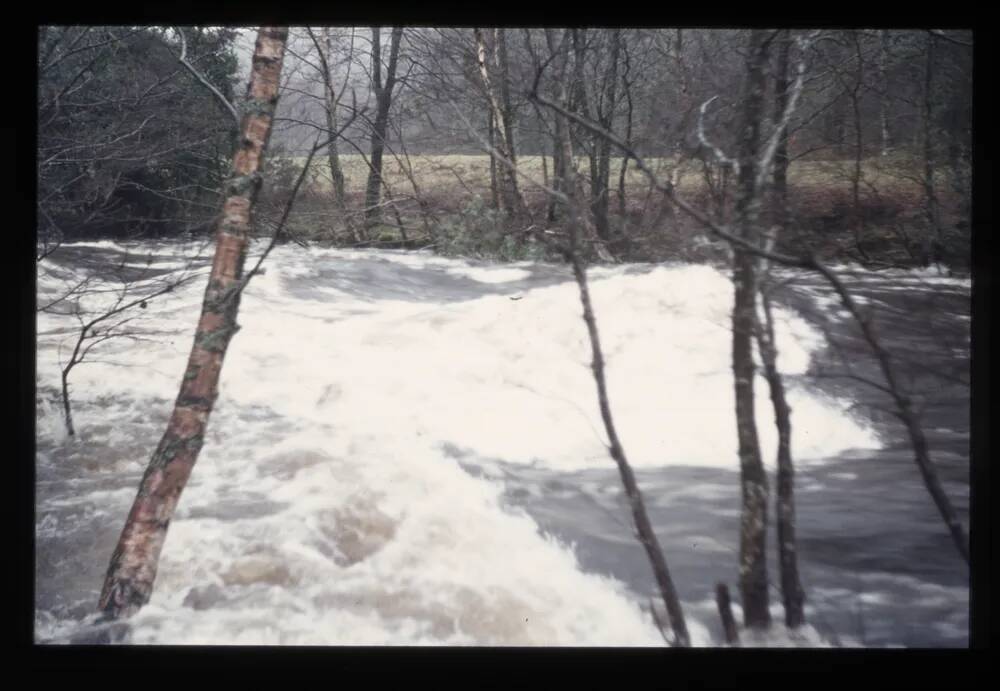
x=479 y=231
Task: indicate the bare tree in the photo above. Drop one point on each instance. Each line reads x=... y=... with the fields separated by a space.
x=132 y=571
x=791 y=585
x=331 y=100
x=498 y=96
x=577 y=224
x=383 y=99
x=903 y=406
x=753 y=478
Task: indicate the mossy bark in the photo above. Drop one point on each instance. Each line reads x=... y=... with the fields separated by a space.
x=132 y=571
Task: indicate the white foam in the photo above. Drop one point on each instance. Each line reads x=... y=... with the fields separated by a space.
x=331 y=421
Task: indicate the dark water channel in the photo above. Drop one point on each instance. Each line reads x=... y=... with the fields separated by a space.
x=878 y=566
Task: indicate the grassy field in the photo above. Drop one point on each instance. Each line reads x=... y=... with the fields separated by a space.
x=437 y=174
x=454 y=195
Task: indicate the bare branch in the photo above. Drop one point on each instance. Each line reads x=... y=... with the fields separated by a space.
x=208 y=85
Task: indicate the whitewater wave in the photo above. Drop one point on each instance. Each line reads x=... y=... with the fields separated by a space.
x=325 y=508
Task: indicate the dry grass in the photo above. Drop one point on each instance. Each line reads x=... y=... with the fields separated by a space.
x=463 y=174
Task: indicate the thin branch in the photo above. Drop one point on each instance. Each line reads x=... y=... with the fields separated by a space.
x=208 y=85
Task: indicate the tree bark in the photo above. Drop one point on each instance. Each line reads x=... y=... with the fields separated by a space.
x=883 y=112
x=858 y=220
x=336 y=172
x=510 y=197
x=559 y=163
x=753 y=479
x=930 y=196
x=129 y=581
x=791 y=586
x=724 y=604
x=627 y=87
x=779 y=211
x=602 y=146
x=383 y=99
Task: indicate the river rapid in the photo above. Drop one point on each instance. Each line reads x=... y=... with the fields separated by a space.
x=407 y=450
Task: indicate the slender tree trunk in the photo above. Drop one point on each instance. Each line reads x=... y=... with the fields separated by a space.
x=558 y=175
x=779 y=174
x=753 y=479
x=491 y=134
x=383 y=100
x=510 y=196
x=724 y=604
x=930 y=196
x=67 y=412
x=627 y=87
x=507 y=106
x=602 y=179
x=791 y=585
x=580 y=100
x=858 y=221
x=883 y=113
x=330 y=99
x=333 y=155
x=132 y=571
x=559 y=162
x=577 y=227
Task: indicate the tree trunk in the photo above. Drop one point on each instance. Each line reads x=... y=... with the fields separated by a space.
x=602 y=179
x=67 y=411
x=858 y=220
x=336 y=172
x=753 y=479
x=577 y=227
x=491 y=137
x=383 y=100
x=883 y=112
x=333 y=155
x=724 y=604
x=779 y=210
x=930 y=196
x=627 y=86
x=510 y=196
x=559 y=163
x=791 y=586
x=130 y=576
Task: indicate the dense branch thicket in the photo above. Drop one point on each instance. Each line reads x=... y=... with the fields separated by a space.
x=127 y=142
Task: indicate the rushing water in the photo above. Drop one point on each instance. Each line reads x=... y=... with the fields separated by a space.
x=407 y=450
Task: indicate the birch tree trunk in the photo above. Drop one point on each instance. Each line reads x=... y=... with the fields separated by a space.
x=779 y=190
x=336 y=172
x=510 y=197
x=753 y=479
x=132 y=571
x=791 y=586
